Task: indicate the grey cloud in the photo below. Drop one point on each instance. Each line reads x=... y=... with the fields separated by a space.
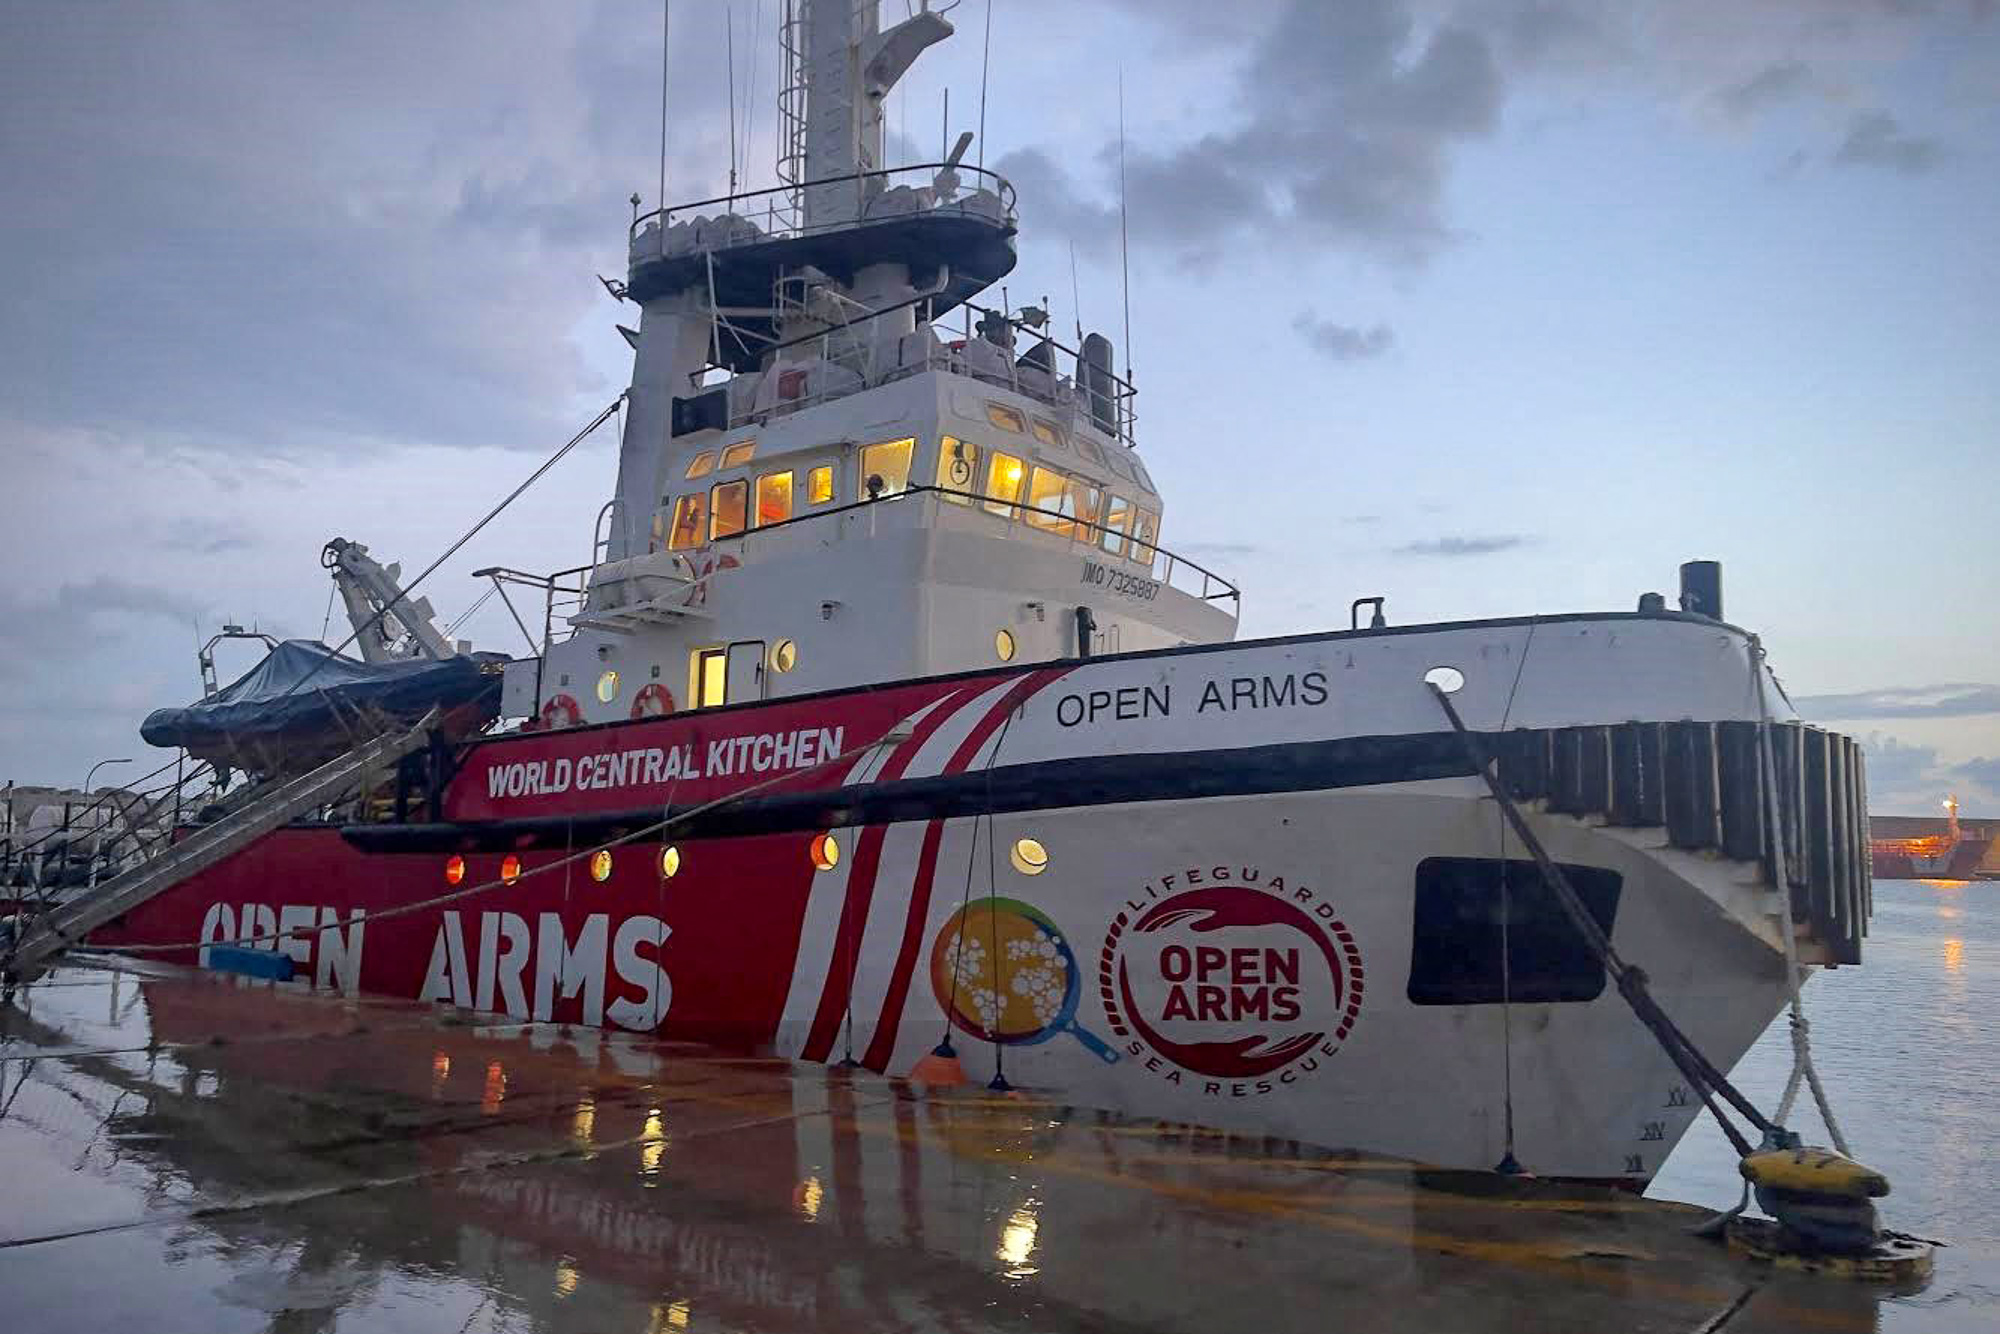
x=1773 y=84
x=1349 y=117
x=1344 y=342
x=1954 y=700
x=1983 y=771
x=1876 y=139
x=205 y=537
x=1221 y=548
x=1464 y=546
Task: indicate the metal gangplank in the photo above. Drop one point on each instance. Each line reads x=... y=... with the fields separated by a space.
x=69 y=923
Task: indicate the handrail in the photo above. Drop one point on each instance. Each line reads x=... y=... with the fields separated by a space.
x=662 y=216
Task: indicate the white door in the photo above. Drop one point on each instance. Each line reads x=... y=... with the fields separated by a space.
x=746 y=671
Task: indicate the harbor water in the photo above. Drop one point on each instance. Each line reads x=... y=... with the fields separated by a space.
x=1908 y=1046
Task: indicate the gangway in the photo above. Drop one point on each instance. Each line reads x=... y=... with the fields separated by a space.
x=69 y=923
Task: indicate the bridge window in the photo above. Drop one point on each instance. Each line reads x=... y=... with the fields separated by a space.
x=701 y=465
x=1117 y=522
x=819 y=485
x=889 y=461
x=738 y=454
x=958 y=469
x=1456 y=952
x=1047 y=491
x=729 y=508
x=708 y=677
x=1006 y=418
x=1004 y=474
x=1145 y=537
x=1089 y=449
x=690 y=522
x=1116 y=459
x=1048 y=434
x=774 y=497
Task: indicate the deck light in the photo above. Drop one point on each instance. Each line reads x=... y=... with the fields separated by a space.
x=510 y=868
x=670 y=862
x=600 y=865
x=825 y=851
x=454 y=870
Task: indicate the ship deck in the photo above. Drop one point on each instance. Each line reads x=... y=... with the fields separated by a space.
x=184 y=1151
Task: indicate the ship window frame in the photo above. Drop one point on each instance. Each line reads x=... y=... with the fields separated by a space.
x=1006 y=418
x=737 y=454
x=1090 y=449
x=1456 y=933
x=1118 y=463
x=1145 y=547
x=1048 y=433
x=1048 y=518
x=757 y=513
x=701 y=465
x=708 y=666
x=968 y=451
x=998 y=501
x=816 y=494
x=903 y=450
x=738 y=491
x=690 y=522
x=1116 y=526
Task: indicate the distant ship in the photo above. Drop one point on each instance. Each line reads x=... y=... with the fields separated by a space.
x=1911 y=848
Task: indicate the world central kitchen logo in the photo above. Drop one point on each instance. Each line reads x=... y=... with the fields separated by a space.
x=1238 y=985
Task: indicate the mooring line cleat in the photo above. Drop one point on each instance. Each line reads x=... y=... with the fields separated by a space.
x=1821 y=1198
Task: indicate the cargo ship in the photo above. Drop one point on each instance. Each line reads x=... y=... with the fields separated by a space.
x=1914 y=848
x=884 y=725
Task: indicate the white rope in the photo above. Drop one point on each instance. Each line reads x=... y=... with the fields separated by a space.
x=1802 y=1062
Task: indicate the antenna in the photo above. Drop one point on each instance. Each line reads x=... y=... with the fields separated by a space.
x=750 y=88
x=1075 y=293
x=985 y=60
x=1124 y=241
x=666 y=20
x=729 y=54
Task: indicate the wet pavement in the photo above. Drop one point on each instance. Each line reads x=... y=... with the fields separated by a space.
x=186 y=1152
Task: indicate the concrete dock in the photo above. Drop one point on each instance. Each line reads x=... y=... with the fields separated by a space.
x=186 y=1152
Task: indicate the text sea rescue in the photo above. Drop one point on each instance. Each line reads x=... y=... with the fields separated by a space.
x=643 y=766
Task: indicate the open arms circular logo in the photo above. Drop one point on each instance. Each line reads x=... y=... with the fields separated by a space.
x=1232 y=982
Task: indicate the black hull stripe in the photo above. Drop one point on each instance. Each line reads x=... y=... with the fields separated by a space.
x=1097 y=780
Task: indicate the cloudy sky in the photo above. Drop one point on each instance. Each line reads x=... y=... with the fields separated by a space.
x=1493 y=307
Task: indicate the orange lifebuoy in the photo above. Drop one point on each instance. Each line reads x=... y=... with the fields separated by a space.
x=561 y=711
x=654 y=701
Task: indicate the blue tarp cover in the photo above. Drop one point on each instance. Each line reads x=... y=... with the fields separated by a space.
x=303 y=687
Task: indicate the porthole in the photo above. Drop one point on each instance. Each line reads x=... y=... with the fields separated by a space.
x=1029 y=856
x=600 y=865
x=510 y=868
x=670 y=862
x=454 y=870
x=1003 y=644
x=784 y=656
x=825 y=851
x=607 y=686
x=1448 y=679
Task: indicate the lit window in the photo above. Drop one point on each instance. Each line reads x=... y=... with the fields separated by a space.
x=729 y=508
x=1048 y=498
x=600 y=865
x=825 y=851
x=454 y=870
x=709 y=677
x=607 y=687
x=774 y=498
x=958 y=469
x=510 y=868
x=784 y=656
x=1117 y=522
x=1004 y=475
x=690 y=522
x=670 y=862
x=1085 y=500
x=890 y=462
x=819 y=485
x=1029 y=856
x=1145 y=537
x=1005 y=418
x=702 y=464
x=1048 y=434
x=738 y=454
x=1003 y=644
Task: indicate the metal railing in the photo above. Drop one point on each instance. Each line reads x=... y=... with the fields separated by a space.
x=710 y=230
x=119 y=827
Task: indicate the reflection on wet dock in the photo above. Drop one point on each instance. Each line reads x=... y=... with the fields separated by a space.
x=188 y=1152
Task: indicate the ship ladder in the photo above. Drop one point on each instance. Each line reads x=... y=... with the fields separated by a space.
x=48 y=936
x=1822 y=1201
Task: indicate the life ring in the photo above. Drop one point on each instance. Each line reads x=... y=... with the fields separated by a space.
x=561 y=711
x=654 y=701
